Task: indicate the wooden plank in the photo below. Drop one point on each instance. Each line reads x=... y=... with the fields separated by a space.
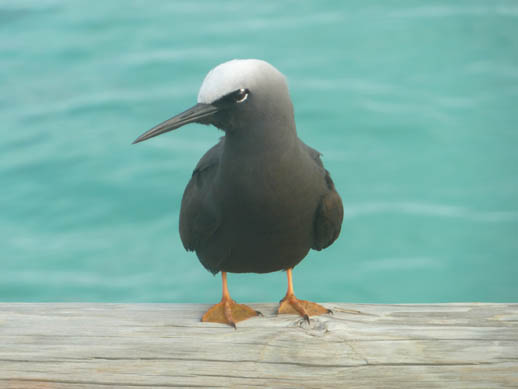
x=164 y=345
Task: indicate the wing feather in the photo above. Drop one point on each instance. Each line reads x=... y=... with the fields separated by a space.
x=329 y=217
x=199 y=219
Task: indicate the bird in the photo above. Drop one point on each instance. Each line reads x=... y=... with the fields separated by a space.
x=259 y=199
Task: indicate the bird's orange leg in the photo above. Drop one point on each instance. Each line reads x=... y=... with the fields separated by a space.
x=291 y=304
x=227 y=311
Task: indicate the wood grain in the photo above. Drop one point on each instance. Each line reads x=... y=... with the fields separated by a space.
x=166 y=346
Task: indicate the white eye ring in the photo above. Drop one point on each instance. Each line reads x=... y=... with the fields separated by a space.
x=242 y=99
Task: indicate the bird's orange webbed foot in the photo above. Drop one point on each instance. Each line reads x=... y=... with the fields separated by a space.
x=292 y=305
x=227 y=311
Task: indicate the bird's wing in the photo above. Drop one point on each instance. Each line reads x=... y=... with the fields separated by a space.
x=199 y=219
x=315 y=154
x=328 y=220
x=330 y=211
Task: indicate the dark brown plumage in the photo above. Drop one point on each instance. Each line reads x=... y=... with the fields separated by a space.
x=260 y=220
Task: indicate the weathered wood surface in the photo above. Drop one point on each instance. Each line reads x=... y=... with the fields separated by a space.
x=165 y=345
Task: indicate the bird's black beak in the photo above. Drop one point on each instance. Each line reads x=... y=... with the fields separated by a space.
x=193 y=114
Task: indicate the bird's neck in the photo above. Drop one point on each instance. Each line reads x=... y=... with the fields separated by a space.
x=257 y=161
x=260 y=139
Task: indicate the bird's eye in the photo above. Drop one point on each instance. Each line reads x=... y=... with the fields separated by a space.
x=241 y=95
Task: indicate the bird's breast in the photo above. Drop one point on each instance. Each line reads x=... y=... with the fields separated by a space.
x=270 y=194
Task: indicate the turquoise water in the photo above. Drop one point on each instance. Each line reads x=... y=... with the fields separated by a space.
x=414 y=106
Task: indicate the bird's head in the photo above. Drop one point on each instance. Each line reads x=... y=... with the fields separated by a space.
x=236 y=96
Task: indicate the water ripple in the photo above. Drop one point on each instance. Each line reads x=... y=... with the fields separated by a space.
x=434 y=210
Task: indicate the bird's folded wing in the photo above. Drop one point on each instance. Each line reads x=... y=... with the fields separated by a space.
x=315 y=154
x=199 y=219
x=329 y=216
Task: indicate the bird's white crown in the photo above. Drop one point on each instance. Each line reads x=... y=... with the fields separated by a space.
x=233 y=75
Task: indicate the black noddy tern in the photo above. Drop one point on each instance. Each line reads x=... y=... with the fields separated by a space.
x=259 y=199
